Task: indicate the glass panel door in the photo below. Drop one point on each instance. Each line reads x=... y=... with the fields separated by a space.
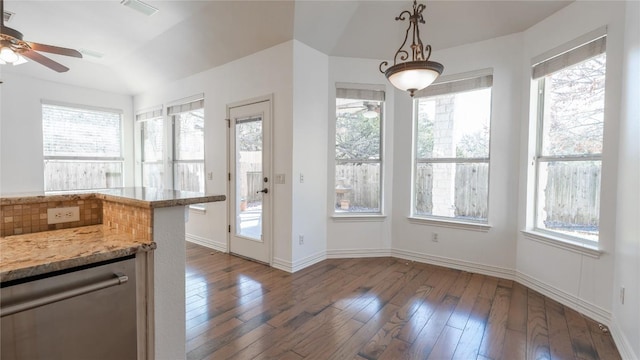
x=249 y=180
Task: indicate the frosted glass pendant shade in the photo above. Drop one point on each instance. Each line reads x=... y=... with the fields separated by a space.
x=414 y=75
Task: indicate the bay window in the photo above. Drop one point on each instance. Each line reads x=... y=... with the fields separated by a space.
x=568 y=157
x=451 y=150
x=358 y=146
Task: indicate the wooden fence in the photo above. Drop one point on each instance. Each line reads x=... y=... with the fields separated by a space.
x=571 y=195
x=71 y=175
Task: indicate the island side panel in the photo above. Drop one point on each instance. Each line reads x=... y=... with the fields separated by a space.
x=169 y=282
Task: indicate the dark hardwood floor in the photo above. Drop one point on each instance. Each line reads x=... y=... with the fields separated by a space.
x=374 y=308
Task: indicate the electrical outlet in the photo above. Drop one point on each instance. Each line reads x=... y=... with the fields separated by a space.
x=434 y=237
x=301 y=177
x=210 y=176
x=301 y=239
x=63 y=215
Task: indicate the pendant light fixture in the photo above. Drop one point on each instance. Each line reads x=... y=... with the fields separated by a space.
x=419 y=72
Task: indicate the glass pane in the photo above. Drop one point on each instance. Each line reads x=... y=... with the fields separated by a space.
x=358 y=129
x=152 y=133
x=452 y=190
x=569 y=198
x=80 y=132
x=574 y=109
x=189 y=176
x=78 y=175
x=454 y=125
x=189 y=135
x=249 y=178
x=358 y=188
x=153 y=175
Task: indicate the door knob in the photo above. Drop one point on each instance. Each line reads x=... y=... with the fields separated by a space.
x=265 y=191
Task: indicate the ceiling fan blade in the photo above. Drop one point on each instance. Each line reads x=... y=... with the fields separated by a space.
x=44 y=61
x=55 y=50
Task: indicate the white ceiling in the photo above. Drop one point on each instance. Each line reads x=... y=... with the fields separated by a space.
x=186 y=37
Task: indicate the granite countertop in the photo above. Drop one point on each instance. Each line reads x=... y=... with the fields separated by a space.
x=135 y=196
x=38 y=253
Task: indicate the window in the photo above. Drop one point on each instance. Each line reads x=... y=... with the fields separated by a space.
x=82 y=147
x=568 y=158
x=451 y=150
x=358 y=184
x=185 y=168
x=152 y=135
x=188 y=146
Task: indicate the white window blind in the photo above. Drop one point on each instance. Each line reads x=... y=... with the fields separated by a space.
x=81 y=132
x=150 y=114
x=569 y=58
x=360 y=94
x=186 y=107
x=451 y=87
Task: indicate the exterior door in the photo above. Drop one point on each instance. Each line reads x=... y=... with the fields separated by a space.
x=250 y=180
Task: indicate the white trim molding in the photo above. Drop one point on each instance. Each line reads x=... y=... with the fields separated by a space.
x=469 y=266
x=308 y=261
x=584 y=307
x=357 y=253
x=621 y=341
x=211 y=244
x=282 y=264
x=292 y=267
x=561 y=243
x=453 y=224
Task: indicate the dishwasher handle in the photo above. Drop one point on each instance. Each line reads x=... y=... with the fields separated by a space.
x=49 y=299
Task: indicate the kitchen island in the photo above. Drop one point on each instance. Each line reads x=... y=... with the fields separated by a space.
x=149 y=223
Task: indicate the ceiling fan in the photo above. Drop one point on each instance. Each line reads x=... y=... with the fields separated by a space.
x=13 y=49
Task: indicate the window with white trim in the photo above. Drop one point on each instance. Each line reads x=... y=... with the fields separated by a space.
x=152 y=154
x=188 y=145
x=452 y=123
x=569 y=136
x=82 y=147
x=358 y=166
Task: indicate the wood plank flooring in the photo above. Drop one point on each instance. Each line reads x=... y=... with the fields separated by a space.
x=375 y=308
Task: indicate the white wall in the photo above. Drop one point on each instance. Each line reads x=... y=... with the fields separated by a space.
x=21 y=147
x=261 y=74
x=626 y=317
x=351 y=236
x=310 y=117
x=459 y=248
x=582 y=281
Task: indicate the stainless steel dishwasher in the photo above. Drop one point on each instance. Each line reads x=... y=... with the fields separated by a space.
x=83 y=313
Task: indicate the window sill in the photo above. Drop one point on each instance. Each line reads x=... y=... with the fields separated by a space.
x=359 y=218
x=562 y=243
x=460 y=225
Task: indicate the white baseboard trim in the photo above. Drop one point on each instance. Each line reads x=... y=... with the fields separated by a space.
x=623 y=344
x=309 y=260
x=357 y=253
x=282 y=264
x=584 y=307
x=469 y=266
x=291 y=267
x=222 y=247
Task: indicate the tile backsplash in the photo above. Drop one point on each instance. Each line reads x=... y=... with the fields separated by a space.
x=31 y=218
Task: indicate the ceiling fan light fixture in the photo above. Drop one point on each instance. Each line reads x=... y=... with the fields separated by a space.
x=140 y=7
x=8 y=56
x=418 y=72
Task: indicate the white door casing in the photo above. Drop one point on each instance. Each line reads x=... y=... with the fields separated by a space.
x=250 y=190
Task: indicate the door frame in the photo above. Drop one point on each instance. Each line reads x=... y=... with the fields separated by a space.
x=267 y=216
